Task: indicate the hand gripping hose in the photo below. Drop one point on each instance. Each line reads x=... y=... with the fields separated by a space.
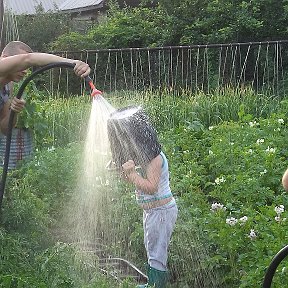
x=94 y=93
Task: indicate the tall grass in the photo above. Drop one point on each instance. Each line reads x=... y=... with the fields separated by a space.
x=67 y=118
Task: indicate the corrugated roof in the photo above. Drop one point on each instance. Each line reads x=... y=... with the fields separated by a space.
x=80 y=4
x=28 y=6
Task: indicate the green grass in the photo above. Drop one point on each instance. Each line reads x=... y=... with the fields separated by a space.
x=214 y=154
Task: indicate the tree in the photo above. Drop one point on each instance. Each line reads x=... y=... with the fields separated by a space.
x=215 y=21
x=42 y=28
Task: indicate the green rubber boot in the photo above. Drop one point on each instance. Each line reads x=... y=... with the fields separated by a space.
x=156 y=278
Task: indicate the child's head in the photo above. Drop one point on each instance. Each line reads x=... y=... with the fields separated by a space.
x=132 y=136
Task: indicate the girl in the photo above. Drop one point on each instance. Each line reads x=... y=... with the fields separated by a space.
x=135 y=148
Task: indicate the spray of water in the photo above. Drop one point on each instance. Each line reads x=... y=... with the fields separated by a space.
x=95 y=220
x=90 y=197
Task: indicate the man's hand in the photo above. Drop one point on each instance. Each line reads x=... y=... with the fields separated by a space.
x=17 y=105
x=81 y=69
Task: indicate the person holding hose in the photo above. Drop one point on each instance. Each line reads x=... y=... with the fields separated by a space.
x=137 y=153
x=15 y=59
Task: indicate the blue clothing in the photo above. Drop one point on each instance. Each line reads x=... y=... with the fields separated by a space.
x=158 y=222
x=163 y=190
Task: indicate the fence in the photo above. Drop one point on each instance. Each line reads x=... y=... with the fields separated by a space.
x=263 y=65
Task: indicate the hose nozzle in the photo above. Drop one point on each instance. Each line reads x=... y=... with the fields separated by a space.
x=94 y=92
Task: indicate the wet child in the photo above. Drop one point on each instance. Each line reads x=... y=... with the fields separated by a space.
x=137 y=152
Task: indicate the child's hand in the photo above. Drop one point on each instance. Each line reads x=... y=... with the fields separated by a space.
x=128 y=166
x=128 y=170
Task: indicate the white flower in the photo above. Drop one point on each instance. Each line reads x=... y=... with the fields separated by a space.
x=279 y=209
x=277 y=218
x=252 y=124
x=250 y=151
x=231 y=143
x=231 y=221
x=280 y=121
x=243 y=219
x=263 y=172
x=211 y=128
x=270 y=150
x=277 y=129
x=210 y=152
x=217 y=206
x=220 y=180
x=259 y=141
x=252 y=235
x=51 y=149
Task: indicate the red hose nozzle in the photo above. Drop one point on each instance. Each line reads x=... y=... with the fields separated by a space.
x=94 y=92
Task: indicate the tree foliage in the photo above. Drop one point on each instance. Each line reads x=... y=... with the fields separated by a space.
x=214 y=21
x=128 y=27
x=171 y=22
x=42 y=28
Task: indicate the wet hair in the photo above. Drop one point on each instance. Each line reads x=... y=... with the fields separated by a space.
x=16 y=47
x=132 y=137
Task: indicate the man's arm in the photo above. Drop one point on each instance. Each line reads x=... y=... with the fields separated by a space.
x=17 y=63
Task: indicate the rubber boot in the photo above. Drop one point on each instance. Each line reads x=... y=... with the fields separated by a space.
x=156 y=278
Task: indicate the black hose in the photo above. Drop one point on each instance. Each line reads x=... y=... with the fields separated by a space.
x=12 y=114
x=273 y=266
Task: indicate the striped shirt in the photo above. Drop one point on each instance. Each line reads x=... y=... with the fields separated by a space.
x=4 y=96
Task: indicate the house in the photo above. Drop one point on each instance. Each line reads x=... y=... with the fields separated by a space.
x=82 y=12
x=28 y=7
x=81 y=9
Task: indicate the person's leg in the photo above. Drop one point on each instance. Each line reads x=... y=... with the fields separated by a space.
x=158 y=225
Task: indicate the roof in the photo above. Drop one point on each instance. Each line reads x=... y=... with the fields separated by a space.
x=76 y=5
x=28 y=6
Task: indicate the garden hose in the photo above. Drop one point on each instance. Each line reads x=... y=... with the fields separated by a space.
x=94 y=93
x=273 y=266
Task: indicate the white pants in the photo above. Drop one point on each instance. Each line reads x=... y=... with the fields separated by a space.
x=158 y=224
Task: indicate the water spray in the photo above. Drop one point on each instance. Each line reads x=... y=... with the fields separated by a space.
x=94 y=93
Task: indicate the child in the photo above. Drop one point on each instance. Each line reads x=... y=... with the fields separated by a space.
x=134 y=145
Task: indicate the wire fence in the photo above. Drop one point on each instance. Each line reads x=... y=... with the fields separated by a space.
x=262 y=65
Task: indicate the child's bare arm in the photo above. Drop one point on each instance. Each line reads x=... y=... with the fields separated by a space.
x=149 y=184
